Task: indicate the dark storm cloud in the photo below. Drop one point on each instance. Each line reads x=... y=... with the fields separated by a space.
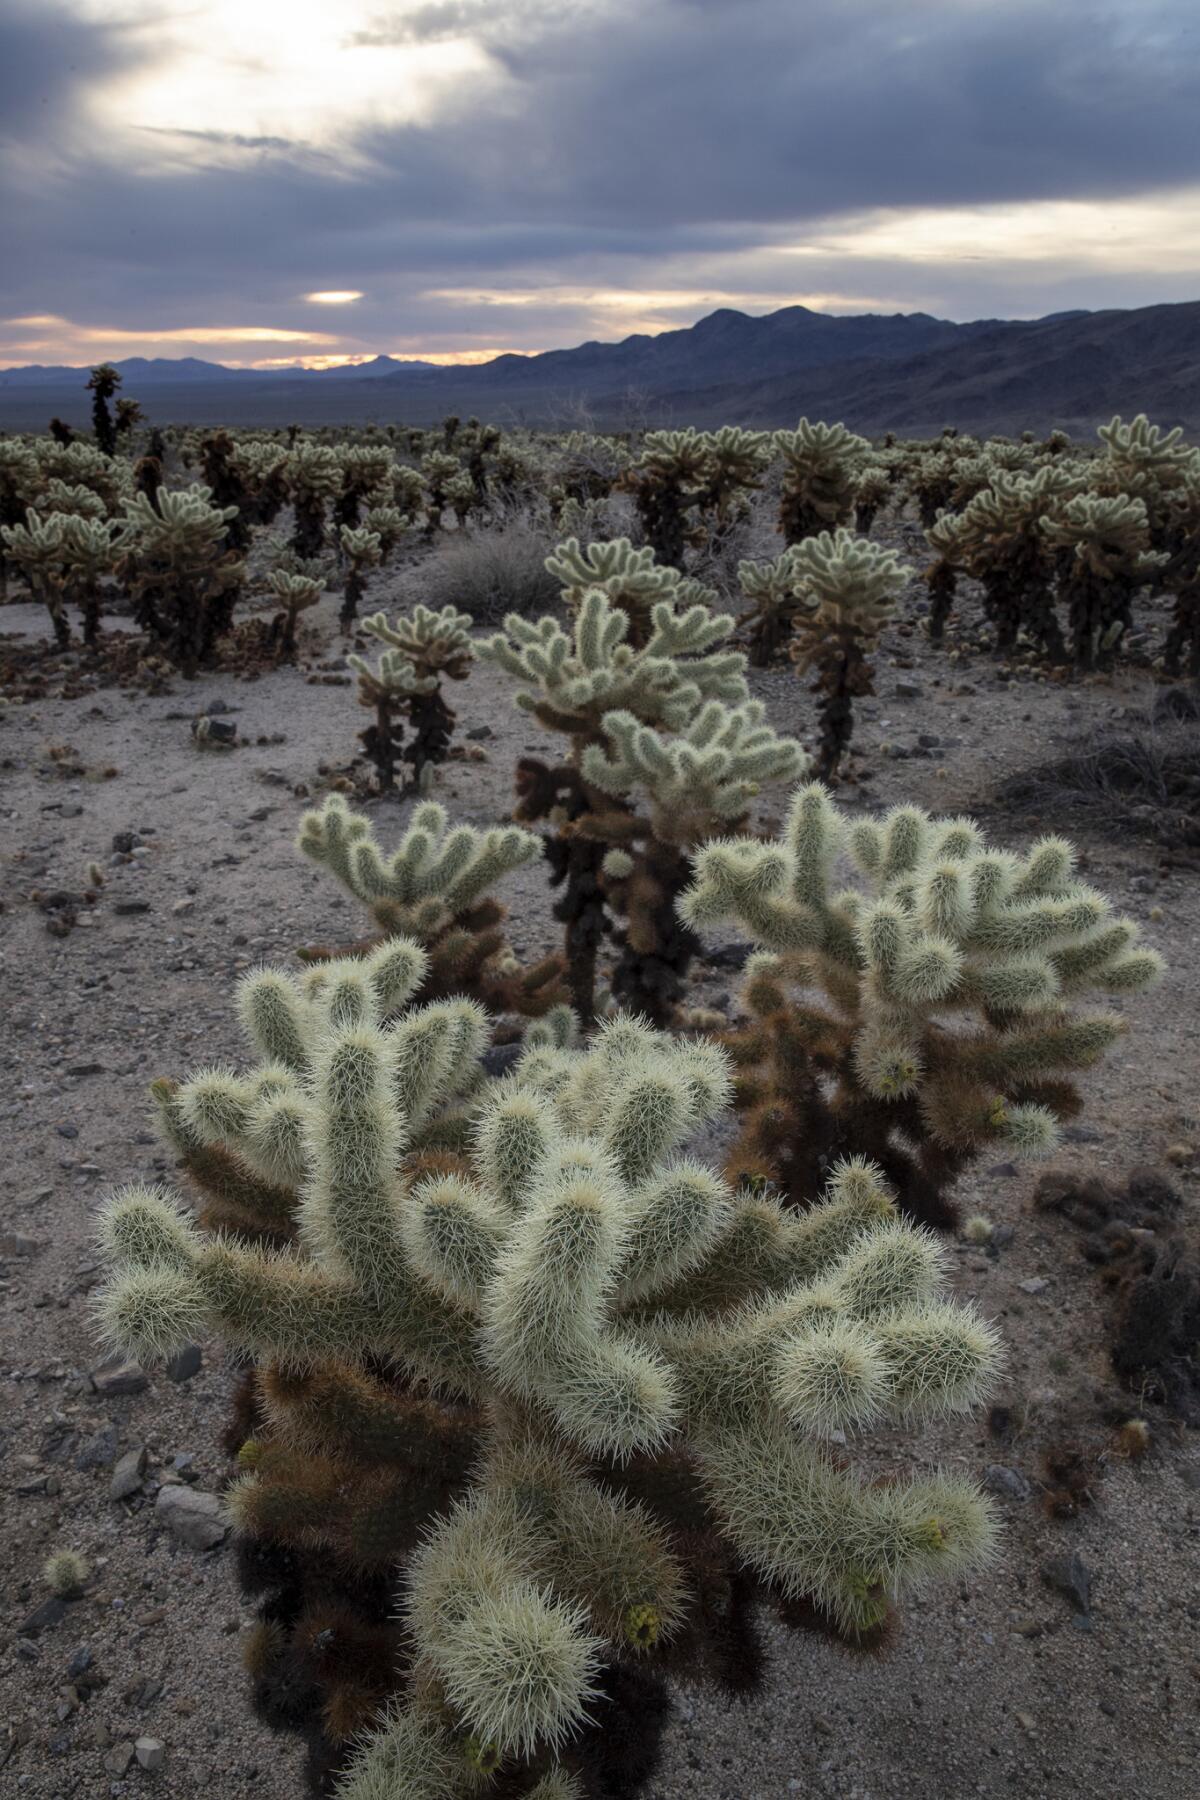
x=48 y=56
x=611 y=138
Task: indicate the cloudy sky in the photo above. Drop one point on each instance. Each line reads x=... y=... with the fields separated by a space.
x=263 y=181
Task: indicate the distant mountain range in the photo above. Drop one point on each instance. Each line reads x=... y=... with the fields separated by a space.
x=906 y=372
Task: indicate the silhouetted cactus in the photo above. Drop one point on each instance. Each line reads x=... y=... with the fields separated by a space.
x=102 y=385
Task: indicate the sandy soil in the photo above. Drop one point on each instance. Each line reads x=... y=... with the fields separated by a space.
x=1002 y=1687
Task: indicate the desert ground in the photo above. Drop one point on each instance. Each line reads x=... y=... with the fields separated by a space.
x=1070 y=1668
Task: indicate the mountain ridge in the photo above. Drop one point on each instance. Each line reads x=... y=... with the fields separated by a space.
x=909 y=372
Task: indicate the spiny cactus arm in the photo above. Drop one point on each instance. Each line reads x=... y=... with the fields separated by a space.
x=598 y=1550
x=546 y=1332
x=410 y=1754
x=738 y=878
x=817 y=1530
x=170 y=1285
x=453 y=1233
x=517 y=1665
x=243 y=1199
x=433 y=1056
x=708 y=774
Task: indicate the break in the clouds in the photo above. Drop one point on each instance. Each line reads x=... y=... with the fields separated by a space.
x=290 y=179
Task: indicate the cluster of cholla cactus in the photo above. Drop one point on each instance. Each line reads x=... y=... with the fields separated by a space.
x=1002 y=543
x=920 y=1017
x=177 y=565
x=847 y=590
x=1163 y=472
x=537 y=1404
x=423 y=648
x=651 y=705
x=435 y=888
x=1107 y=559
x=821 y=468
x=689 y=485
x=63 y=556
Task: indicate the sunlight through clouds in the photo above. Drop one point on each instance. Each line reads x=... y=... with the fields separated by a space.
x=275 y=70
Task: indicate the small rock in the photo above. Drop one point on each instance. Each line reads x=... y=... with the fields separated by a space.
x=126 y=908
x=1008 y=1483
x=908 y=690
x=150 y=1752
x=194 y=1518
x=498 y=1059
x=45 y=1617
x=128 y=1475
x=1002 y=1235
x=119 y=1375
x=67 y=1130
x=185 y=1363
x=100 y=1452
x=1005 y=1170
x=80 y=1663
x=1071 y=1576
x=124 y=842
x=479 y=734
x=1080 y=1134
x=12 y=1243
x=1036 y=1284
x=119 y=1758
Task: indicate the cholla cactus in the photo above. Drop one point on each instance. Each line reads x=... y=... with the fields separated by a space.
x=665 y=483
x=1003 y=544
x=564 y=1380
x=1145 y=462
x=734 y=464
x=102 y=385
x=424 y=648
x=87 y=555
x=183 y=578
x=1107 y=541
x=438 y=471
x=630 y=579
x=821 y=465
x=597 y=689
x=389 y=525
x=847 y=590
x=37 y=548
x=314 y=477
x=296 y=594
x=461 y=496
x=921 y=1017
x=362 y=551
x=1181 y=577
x=770 y=587
x=945 y=539
x=435 y=887
x=871 y=490
x=70 y=500
x=19 y=483
x=366 y=480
